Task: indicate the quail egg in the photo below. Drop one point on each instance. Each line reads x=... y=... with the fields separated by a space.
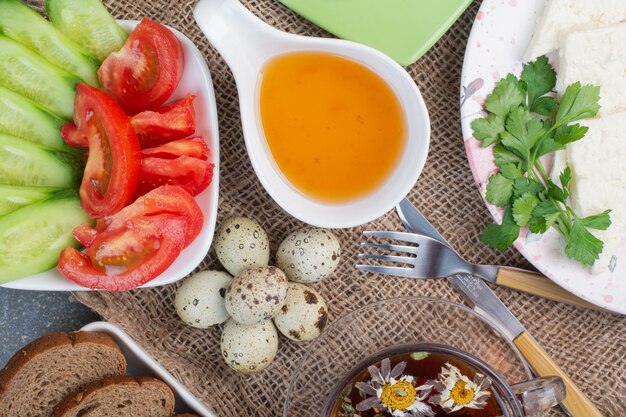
x=304 y=314
x=309 y=254
x=200 y=300
x=256 y=294
x=249 y=349
x=241 y=243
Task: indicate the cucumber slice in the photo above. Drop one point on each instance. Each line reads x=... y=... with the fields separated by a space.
x=89 y=24
x=24 y=25
x=26 y=119
x=13 y=197
x=26 y=73
x=27 y=163
x=32 y=237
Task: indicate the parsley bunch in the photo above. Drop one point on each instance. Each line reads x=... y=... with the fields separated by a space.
x=525 y=123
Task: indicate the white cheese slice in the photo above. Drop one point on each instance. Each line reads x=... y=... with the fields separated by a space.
x=598 y=164
x=597 y=56
x=562 y=16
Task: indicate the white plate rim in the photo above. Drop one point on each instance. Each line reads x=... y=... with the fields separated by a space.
x=207 y=124
x=581 y=283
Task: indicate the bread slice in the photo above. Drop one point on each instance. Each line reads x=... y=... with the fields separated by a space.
x=119 y=396
x=48 y=369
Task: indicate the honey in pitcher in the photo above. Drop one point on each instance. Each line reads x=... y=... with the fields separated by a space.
x=419 y=384
x=334 y=127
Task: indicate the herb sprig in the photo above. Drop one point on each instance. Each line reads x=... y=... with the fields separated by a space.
x=525 y=123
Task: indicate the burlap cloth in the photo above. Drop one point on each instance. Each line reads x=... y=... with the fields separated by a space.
x=590 y=346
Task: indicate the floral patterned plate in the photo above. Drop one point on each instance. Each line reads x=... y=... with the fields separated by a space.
x=495 y=48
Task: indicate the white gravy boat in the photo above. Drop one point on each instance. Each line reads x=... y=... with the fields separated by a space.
x=247 y=44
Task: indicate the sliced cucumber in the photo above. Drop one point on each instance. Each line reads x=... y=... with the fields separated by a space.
x=13 y=197
x=24 y=25
x=26 y=119
x=32 y=237
x=88 y=23
x=26 y=73
x=27 y=163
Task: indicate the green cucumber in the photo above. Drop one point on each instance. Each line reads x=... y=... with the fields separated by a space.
x=27 y=163
x=13 y=197
x=24 y=25
x=89 y=24
x=28 y=74
x=26 y=119
x=32 y=237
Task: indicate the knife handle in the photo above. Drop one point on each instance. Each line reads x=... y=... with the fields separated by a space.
x=537 y=284
x=575 y=402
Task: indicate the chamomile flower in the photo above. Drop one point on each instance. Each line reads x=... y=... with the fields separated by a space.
x=389 y=390
x=456 y=391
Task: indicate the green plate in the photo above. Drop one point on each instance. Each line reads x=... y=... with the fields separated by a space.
x=403 y=29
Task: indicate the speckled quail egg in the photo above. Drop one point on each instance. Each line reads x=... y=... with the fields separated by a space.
x=200 y=300
x=304 y=314
x=309 y=254
x=256 y=294
x=249 y=349
x=241 y=243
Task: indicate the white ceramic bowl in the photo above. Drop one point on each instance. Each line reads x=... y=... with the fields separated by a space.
x=246 y=44
x=196 y=79
x=139 y=363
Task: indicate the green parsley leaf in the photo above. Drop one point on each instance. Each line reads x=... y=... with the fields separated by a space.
x=600 y=221
x=581 y=245
x=569 y=133
x=525 y=185
x=488 y=129
x=507 y=95
x=523 y=208
x=499 y=190
x=522 y=131
x=503 y=156
x=578 y=103
x=554 y=191
x=543 y=106
x=511 y=171
x=565 y=177
x=501 y=236
x=544 y=215
x=540 y=78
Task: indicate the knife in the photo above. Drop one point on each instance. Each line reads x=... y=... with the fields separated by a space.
x=486 y=303
x=517 y=279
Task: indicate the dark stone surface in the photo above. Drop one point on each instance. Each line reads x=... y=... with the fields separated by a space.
x=27 y=315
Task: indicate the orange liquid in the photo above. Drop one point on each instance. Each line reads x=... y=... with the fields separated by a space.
x=335 y=128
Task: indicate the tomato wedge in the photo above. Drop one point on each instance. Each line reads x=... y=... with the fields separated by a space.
x=112 y=169
x=192 y=173
x=126 y=257
x=194 y=147
x=167 y=199
x=73 y=136
x=173 y=121
x=145 y=72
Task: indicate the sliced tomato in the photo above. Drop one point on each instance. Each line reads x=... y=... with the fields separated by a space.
x=167 y=199
x=192 y=173
x=173 y=121
x=112 y=169
x=194 y=147
x=73 y=136
x=145 y=72
x=85 y=234
x=126 y=257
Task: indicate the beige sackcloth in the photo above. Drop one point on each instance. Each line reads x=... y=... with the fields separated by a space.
x=590 y=346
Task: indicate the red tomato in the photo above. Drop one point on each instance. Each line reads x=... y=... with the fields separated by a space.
x=112 y=170
x=169 y=199
x=173 y=121
x=145 y=72
x=74 y=137
x=192 y=173
x=84 y=234
x=195 y=147
x=127 y=257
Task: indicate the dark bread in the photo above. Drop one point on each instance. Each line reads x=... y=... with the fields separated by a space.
x=45 y=371
x=119 y=396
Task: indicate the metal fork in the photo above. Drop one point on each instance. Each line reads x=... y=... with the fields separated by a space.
x=424 y=257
